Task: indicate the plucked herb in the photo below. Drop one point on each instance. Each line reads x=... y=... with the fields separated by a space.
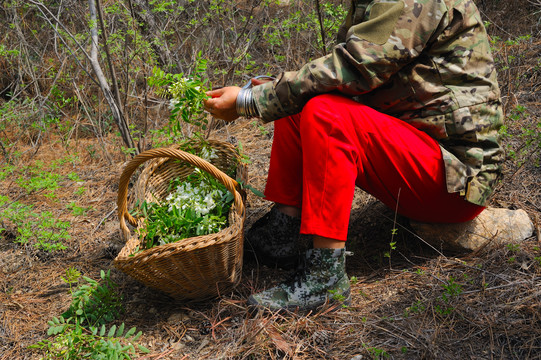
x=186 y=94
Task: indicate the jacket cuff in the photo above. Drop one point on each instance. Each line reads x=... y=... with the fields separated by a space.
x=267 y=102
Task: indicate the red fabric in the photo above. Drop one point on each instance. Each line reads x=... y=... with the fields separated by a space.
x=319 y=155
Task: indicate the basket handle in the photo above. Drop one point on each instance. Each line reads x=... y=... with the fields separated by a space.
x=133 y=164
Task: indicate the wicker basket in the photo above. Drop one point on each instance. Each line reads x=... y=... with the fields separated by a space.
x=195 y=268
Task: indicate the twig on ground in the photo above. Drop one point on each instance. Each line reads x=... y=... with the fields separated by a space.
x=104 y=218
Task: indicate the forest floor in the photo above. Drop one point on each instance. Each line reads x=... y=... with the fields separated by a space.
x=417 y=303
x=409 y=302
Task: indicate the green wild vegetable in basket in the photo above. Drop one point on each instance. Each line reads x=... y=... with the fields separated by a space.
x=199 y=205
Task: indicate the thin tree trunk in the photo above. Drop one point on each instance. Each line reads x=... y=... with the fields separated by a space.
x=108 y=53
x=116 y=110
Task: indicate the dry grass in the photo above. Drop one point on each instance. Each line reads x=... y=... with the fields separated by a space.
x=418 y=304
x=398 y=308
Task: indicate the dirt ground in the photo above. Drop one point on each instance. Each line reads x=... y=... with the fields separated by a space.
x=495 y=316
x=417 y=303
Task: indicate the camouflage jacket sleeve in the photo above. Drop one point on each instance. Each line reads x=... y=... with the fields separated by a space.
x=384 y=36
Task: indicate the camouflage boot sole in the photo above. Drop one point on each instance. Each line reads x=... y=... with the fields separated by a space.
x=343 y=300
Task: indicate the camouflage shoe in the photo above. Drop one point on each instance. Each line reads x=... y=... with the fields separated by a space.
x=319 y=280
x=274 y=239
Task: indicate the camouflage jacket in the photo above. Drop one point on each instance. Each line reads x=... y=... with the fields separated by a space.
x=426 y=62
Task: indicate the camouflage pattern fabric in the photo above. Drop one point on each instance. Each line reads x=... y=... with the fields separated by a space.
x=426 y=62
x=274 y=239
x=321 y=279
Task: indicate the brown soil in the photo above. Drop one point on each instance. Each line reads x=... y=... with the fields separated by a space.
x=401 y=308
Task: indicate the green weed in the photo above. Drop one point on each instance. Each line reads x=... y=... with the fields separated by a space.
x=529 y=148
x=81 y=332
x=93 y=303
x=42 y=230
x=337 y=297
x=513 y=249
x=452 y=289
x=6 y=171
x=39 y=180
x=262 y=130
x=74 y=177
x=376 y=353
x=77 y=210
x=415 y=308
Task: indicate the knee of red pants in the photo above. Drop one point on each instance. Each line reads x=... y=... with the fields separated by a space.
x=284 y=180
x=396 y=158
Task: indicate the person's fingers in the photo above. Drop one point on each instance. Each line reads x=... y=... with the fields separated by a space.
x=215 y=96
x=256 y=82
x=210 y=103
x=216 y=93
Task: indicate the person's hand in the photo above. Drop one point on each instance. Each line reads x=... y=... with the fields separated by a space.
x=223 y=103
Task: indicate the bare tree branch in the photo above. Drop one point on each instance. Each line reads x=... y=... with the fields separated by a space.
x=118 y=115
x=322 y=30
x=108 y=53
x=101 y=80
x=46 y=14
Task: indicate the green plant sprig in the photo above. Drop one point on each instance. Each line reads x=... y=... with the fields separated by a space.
x=81 y=332
x=186 y=94
x=94 y=303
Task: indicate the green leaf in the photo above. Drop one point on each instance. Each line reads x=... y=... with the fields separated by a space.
x=112 y=331
x=137 y=336
x=130 y=332
x=255 y=191
x=120 y=330
x=143 y=349
x=89 y=280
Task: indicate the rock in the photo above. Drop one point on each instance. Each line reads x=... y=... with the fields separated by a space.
x=177 y=318
x=178 y=346
x=495 y=226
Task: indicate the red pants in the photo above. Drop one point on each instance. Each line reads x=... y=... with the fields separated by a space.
x=319 y=155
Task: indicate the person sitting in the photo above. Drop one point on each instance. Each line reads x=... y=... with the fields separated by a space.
x=406 y=107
